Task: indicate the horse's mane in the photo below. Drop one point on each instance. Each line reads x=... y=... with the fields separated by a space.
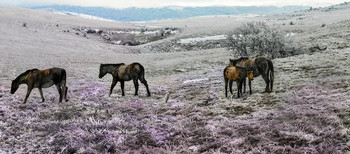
x=241 y=58
x=234 y=61
x=25 y=73
x=118 y=64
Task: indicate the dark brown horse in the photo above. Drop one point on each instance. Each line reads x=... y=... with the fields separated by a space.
x=261 y=66
x=238 y=74
x=42 y=79
x=122 y=72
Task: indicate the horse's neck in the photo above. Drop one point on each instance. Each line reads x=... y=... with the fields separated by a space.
x=110 y=69
x=22 y=80
x=243 y=75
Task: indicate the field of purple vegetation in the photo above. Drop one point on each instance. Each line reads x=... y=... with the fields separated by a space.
x=307 y=121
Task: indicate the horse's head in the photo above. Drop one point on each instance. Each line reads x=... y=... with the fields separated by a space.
x=14 y=86
x=250 y=74
x=103 y=71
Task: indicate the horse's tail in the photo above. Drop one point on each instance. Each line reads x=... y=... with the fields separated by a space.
x=63 y=83
x=270 y=73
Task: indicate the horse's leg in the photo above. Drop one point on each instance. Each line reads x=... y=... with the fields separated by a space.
x=59 y=91
x=65 y=93
x=267 y=81
x=239 y=85
x=122 y=86
x=240 y=88
x=226 y=80
x=136 y=84
x=114 y=82
x=28 y=93
x=230 y=86
x=271 y=81
x=41 y=94
x=250 y=86
x=244 y=83
x=143 y=81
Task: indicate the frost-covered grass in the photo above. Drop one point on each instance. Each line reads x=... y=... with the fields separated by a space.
x=199 y=39
x=298 y=117
x=307 y=121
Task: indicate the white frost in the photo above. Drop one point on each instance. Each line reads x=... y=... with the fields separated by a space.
x=81 y=15
x=199 y=39
x=289 y=34
x=196 y=80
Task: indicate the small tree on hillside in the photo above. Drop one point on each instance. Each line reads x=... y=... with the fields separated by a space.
x=257 y=39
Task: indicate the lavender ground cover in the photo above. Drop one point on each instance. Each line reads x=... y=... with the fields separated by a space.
x=306 y=121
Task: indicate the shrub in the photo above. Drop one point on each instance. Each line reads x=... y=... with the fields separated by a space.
x=257 y=39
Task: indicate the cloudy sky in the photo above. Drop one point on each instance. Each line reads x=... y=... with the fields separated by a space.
x=161 y=3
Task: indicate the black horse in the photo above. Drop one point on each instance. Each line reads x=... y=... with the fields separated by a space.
x=122 y=72
x=35 y=78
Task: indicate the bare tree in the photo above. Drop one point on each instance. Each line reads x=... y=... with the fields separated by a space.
x=257 y=39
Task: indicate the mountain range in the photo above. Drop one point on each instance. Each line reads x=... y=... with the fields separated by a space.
x=146 y=14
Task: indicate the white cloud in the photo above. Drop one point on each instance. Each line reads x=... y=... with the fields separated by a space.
x=161 y=3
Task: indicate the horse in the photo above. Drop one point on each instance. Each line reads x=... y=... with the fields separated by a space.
x=122 y=73
x=238 y=74
x=261 y=66
x=35 y=78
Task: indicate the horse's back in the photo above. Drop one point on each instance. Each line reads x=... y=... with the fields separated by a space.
x=58 y=74
x=46 y=78
x=261 y=60
x=262 y=63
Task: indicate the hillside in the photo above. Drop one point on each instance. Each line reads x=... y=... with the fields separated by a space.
x=307 y=112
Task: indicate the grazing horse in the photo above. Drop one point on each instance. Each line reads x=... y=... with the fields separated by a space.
x=122 y=72
x=238 y=74
x=261 y=66
x=35 y=78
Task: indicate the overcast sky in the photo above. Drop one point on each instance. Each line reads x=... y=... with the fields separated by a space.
x=161 y=3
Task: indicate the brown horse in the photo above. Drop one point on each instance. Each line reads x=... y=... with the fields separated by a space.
x=238 y=74
x=261 y=66
x=42 y=79
x=122 y=72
